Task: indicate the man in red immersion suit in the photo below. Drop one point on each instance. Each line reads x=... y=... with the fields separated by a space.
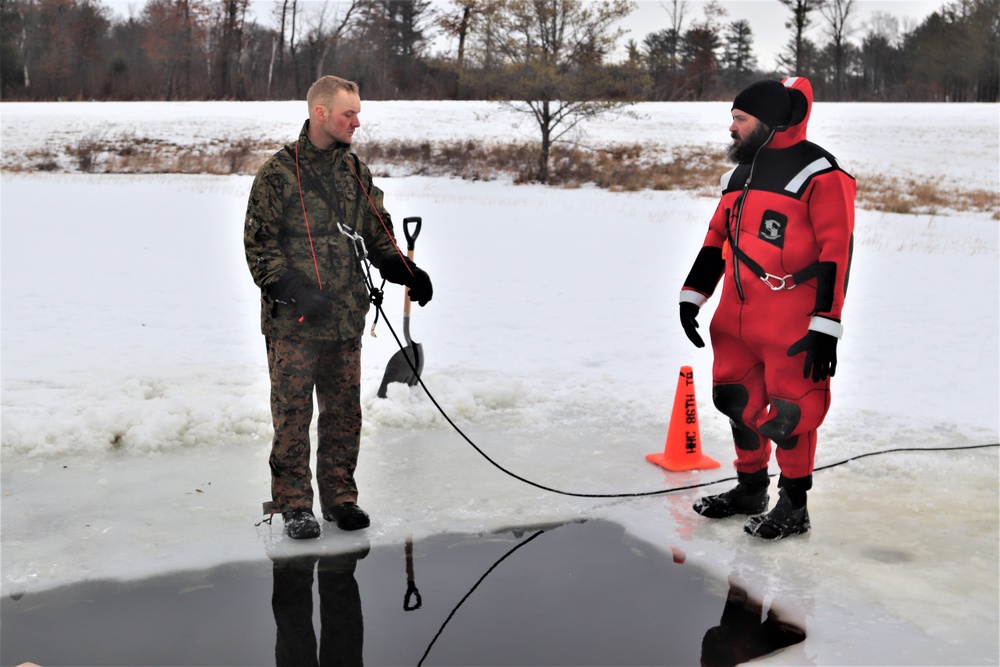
x=781 y=239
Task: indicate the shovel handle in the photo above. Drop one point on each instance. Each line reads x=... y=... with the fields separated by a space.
x=411 y=237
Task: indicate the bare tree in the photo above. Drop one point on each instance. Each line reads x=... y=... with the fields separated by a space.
x=482 y=48
x=231 y=48
x=553 y=52
x=457 y=23
x=176 y=39
x=22 y=44
x=838 y=14
x=676 y=11
x=341 y=22
x=879 y=50
x=281 y=15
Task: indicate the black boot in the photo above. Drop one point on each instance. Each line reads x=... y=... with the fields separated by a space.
x=300 y=524
x=348 y=516
x=749 y=496
x=789 y=516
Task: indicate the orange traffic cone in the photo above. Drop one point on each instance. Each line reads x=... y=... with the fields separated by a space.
x=683 y=448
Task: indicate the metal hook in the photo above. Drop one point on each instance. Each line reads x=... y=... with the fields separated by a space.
x=359 y=243
x=782 y=283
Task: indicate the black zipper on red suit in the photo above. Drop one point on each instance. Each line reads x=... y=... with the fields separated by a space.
x=741 y=202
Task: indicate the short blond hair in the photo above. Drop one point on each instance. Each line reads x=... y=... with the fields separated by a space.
x=325 y=88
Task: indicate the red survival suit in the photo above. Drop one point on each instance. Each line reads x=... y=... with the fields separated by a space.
x=782 y=235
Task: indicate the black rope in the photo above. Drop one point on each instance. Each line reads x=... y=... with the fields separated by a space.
x=637 y=494
x=471 y=591
x=904 y=449
x=377 y=301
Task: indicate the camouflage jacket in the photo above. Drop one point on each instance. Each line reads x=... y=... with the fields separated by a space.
x=277 y=238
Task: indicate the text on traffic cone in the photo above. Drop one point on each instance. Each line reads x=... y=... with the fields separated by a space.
x=683 y=447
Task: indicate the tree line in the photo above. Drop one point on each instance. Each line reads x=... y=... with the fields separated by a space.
x=527 y=50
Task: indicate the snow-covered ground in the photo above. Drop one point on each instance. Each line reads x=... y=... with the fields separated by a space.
x=135 y=425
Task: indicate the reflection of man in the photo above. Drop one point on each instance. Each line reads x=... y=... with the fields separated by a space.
x=780 y=241
x=341 y=620
x=741 y=636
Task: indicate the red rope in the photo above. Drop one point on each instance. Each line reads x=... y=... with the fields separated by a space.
x=298 y=177
x=379 y=216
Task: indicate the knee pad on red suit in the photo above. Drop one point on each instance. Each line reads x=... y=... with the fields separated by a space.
x=745 y=437
x=789 y=418
x=732 y=400
x=779 y=428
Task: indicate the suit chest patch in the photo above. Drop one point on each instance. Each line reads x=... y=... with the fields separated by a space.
x=772 y=228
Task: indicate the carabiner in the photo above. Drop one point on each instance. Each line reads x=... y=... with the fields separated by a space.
x=359 y=243
x=782 y=283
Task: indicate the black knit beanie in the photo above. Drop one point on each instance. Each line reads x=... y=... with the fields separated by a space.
x=767 y=100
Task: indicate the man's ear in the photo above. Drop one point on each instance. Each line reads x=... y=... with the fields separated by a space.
x=320 y=112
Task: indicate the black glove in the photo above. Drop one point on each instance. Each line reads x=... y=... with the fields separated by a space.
x=311 y=304
x=402 y=271
x=821 y=354
x=689 y=320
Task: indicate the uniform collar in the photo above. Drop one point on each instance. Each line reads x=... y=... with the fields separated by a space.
x=307 y=148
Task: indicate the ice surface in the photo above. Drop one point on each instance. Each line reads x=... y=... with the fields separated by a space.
x=135 y=426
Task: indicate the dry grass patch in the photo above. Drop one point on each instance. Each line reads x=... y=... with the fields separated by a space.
x=625 y=168
x=40 y=160
x=918 y=195
x=619 y=168
x=131 y=154
x=471 y=160
x=633 y=168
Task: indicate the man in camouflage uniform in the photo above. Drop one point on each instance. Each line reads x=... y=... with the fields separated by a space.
x=309 y=205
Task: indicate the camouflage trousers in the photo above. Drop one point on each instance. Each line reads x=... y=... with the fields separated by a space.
x=333 y=370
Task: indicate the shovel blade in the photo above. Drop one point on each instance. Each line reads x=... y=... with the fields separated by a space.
x=399 y=367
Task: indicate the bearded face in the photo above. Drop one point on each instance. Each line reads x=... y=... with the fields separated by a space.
x=745 y=145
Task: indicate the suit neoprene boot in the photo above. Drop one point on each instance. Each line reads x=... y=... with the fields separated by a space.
x=789 y=516
x=749 y=496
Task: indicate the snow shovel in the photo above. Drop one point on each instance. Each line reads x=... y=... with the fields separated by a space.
x=401 y=365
